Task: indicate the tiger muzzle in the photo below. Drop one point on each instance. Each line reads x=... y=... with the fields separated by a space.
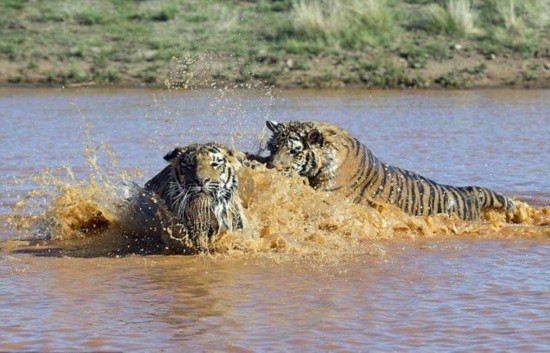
x=202 y=182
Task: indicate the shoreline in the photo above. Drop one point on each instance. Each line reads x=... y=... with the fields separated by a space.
x=453 y=74
x=123 y=86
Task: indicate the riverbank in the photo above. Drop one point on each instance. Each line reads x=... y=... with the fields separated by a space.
x=287 y=44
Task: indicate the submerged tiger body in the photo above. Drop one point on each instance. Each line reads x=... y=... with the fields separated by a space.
x=199 y=187
x=333 y=160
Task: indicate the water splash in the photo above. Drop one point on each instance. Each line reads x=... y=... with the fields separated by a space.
x=286 y=218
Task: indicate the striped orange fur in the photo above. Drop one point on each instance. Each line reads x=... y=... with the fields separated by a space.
x=333 y=160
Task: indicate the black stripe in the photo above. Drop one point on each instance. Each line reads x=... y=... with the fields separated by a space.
x=456 y=198
x=432 y=198
x=368 y=182
x=353 y=142
x=466 y=202
x=382 y=184
x=347 y=150
x=476 y=200
x=360 y=170
x=413 y=196
x=229 y=174
x=307 y=161
x=399 y=186
x=365 y=175
x=391 y=187
x=502 y=201
x=470 y=197
x=420 y=204
x=407 y=180
x=460 y=203
x=212 y=149
x=441 y=203
x=357 y=146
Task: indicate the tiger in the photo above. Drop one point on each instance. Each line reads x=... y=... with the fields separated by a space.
x=333 y=160
x=200 y=188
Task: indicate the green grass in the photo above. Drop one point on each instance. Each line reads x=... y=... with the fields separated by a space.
x=310 y=43
x=90 y=17
x=456 y=18
x=344 y=23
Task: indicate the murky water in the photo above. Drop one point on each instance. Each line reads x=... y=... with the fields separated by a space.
x=422 y=293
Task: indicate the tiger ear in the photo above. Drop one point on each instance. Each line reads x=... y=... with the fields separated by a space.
x=237 y=158
x=314 y=137
x=274 y=126
x=172 y=154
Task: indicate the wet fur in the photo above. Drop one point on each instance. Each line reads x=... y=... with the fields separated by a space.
x=333 y=160
x=201 y=213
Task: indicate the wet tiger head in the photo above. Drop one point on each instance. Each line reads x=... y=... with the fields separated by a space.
x=298 y=147
x=206 y=172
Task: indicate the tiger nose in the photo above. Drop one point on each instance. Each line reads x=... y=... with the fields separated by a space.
x=203 y=181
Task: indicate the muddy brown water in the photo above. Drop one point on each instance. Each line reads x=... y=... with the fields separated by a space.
x=443 y=292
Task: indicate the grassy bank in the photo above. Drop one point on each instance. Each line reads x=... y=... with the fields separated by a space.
x=287 y=43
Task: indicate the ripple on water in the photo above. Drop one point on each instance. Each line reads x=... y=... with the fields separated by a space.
x=443 y=292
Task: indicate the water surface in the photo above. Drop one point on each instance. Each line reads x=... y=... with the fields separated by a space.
x=453 y=293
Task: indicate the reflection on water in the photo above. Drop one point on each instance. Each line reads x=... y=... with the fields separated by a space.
x=425 y=294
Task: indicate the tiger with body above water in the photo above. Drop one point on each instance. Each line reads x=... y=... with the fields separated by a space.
x=200 y=188
x=333 y=160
